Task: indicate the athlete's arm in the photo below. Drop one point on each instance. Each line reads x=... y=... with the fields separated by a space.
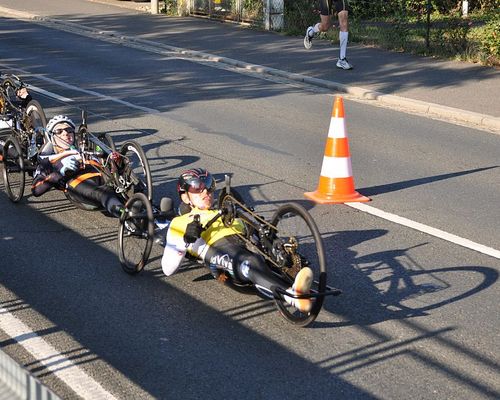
x=176 y=247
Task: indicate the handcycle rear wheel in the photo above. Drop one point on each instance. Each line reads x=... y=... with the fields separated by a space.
x=140 y=172
x=135 y=235
x=13 y=169
x=293 y=221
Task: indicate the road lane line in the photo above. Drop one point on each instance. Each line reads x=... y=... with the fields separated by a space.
x=77 y=89
x=50 y=94
x=63 y=368
x=426 y=229
x=96 y=94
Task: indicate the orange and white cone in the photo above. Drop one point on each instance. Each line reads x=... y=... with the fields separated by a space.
x=336 y=184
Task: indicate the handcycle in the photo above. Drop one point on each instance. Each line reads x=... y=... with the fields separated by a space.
x=288 y=241
x=23 y=135
x=127 y=170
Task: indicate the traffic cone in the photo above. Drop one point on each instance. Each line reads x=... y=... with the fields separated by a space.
x=336 y=184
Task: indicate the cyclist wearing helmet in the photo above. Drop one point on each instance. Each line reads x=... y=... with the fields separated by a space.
x=218 y=246
x=61 y=166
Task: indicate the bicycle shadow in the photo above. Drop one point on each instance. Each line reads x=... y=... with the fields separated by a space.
x=390 y=284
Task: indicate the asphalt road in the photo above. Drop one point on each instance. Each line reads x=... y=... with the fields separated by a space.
x=418 y=317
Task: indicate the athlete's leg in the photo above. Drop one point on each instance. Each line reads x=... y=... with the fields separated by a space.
x=322 y=26
x=342 y=9
x=231 y=255
x=343 y=34
x=244 y=266
x=99 y=195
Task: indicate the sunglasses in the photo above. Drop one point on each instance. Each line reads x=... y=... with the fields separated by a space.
x=198 y=185
x=57 y=132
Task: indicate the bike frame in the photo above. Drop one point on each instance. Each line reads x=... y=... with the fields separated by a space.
x=20 y=126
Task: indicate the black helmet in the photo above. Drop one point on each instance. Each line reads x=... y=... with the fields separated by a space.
x=195 y=181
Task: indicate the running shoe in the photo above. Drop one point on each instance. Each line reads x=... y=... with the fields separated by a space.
x=344 y=64
x=308 y=38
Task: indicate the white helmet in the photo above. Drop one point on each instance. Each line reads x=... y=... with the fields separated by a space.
x=58 y=119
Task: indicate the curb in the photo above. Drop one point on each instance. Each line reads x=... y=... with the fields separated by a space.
x=450 y=114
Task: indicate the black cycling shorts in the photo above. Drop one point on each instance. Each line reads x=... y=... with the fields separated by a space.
x=326 y=6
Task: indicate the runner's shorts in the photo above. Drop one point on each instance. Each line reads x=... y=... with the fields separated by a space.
x=326 y=6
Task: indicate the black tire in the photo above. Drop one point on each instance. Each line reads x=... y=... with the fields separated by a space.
x=138 y=170
x=10 y=85
x=136 y=233
x=36 y=115
x=13 y=169
x=293 y=220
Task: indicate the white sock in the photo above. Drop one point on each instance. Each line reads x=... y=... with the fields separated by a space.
x=343 y=43
x=316 y=28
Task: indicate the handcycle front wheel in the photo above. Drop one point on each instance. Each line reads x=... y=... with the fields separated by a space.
x=13 y=169
x=296 y=228
x=10 y=86
x=36 y=115
x=139 y=172
x=136 y=234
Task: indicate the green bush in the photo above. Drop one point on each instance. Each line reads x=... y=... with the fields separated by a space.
x=490 y=41
x=451 y=35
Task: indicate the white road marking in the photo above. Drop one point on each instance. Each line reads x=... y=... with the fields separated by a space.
x=50 y=94
x=426 y=229
x=97 y=94
x=81 y=383
x=77 y=89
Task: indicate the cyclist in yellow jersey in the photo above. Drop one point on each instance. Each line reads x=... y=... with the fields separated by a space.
x=219 y=247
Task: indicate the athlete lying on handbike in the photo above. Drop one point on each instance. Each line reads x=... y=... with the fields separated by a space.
x=61 y=166
x=220 y=247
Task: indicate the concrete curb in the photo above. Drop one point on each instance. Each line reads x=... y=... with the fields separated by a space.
x=431 y=109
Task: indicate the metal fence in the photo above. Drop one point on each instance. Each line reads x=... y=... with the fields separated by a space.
x=268 y=14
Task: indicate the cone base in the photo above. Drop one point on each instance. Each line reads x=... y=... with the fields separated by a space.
x=335 y=198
